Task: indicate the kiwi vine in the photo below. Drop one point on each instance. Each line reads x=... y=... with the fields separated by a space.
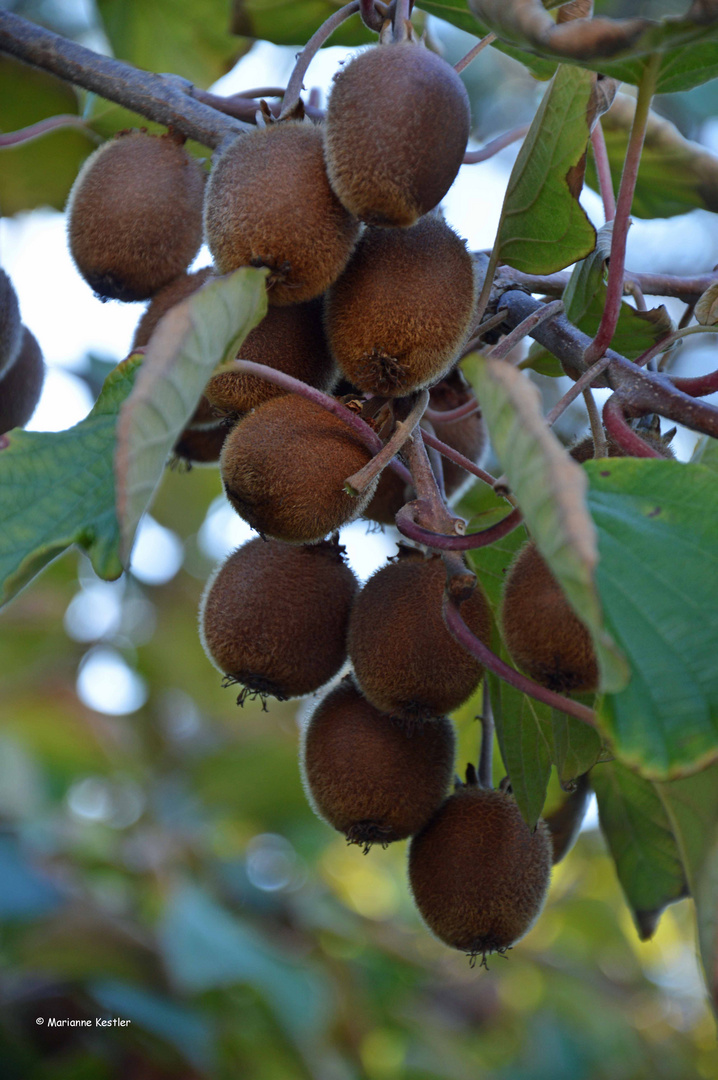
x=350 y=400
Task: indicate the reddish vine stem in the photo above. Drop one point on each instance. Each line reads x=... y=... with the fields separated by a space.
x=42 y=127
x=699 y=386
x=459 y=459
x=450 y=416
x=359 y=481
x=409 y=527
x=495 y=146
x=154 y=96
x=581 y=384
x=615 y=424
x=460 y=631
x=546 y=311
x=622 y=220
x=688 y=289
x=296 y=79
x=372 y=15
x=603 y=169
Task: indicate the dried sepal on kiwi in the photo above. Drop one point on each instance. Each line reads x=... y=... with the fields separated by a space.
x=479 y=876
x=397 y=317
x=134 y=215
x=269 y=203
x=289 y=339
x=405 y=660
x=21 y=385
x=273 y=617
x=396 y=130
x=284 y=466
x=366 y=776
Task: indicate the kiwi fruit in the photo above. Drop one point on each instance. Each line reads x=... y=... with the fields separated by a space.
x=199 y=445
x=467 y=435
x=134 y=216
x=365 y=776
x=396 y=129
x=10 y=324
x=273 y=617
x=165 y=299
x=405 y=660
x=283 y=468
x=478 y=874
x=545 y=637
x=289 y=339
x=269 y=203
x=21 y=385
x=397 y=317
x=391 y=494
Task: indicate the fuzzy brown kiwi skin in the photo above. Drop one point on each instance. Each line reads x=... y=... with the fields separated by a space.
x=273 y=617
x=283 y=469
x=269 y=203
x=135 y=215
x=396 y=129
x=199 y=446
x=542 y=633
x=21 y=386
x=365 y=776
x=405 y=660
x=583 y=450
x=478 y=874
x=290 y=339
x=397 y=317
x=391 y=494
x=178 y=290
x=10 y=323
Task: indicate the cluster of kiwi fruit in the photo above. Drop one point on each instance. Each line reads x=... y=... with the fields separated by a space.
x=372 y=298
x=22 y=367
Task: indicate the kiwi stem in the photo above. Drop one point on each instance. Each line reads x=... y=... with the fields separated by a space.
x=600 y=449
x=450 y=416
x=504 y=347
x=35 y=131
x=154 y=96
x=430 y=504
x=473 y=53
x=578 y=387
x=668 y=340
x=410 y=528
x=372 y=15
x=621 y=433
x=603 y=169
x=296 y=79
x=460 y=631
x=473 y=157
x=359 y=481
x=460 y=459
x=402 y=16
x=486 y=753
x=622 y=220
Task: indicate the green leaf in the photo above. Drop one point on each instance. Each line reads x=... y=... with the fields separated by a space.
x=575 y=746
x=620 y=48
x=27 y=179
x=292 y=22
x=692 y=806
x=674 y=176
x=705 y=453
x=523 y=728
x=640 y=837
x=178 y=36
x=458 y=14
x=187 y=345
x=543 y=227
x=205 y=948
x=57 y=489
x=550 y=490
x=657 y=578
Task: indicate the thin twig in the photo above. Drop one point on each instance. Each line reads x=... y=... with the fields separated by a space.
x=360 y=481
x=622 y=220
x=460 y=631
x=445 y=541
x=42 y=127
x=546 y=311
x=450 y=416
x=473 y=53
x=603 y=169
x=615 y=423
x=495 y=146
x=459 y=459
x=600 y=449
x=296 y=80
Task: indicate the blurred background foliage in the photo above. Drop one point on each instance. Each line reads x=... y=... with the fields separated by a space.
x=158 y=859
